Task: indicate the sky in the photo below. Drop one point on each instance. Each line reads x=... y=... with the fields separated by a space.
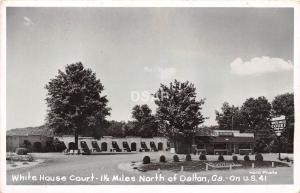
x=229 y=54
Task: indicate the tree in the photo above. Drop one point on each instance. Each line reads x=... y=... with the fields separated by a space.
x=141 y=112
x=229 y=117
x=75 y=102
x=131 y=129
x=256 y=115
x=178 y=112
x=284 y=105
x=145 y=122
x=115 y=129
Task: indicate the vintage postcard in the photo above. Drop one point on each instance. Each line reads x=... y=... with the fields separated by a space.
x=106 y=95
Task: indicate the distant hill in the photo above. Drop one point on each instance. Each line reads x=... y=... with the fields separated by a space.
x=40 y=130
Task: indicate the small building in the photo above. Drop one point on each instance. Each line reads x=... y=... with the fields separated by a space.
x=33 y=138
x=224 y=142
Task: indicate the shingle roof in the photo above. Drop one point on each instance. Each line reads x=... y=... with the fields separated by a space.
x=41 y=130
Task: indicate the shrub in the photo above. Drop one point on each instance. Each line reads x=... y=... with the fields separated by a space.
x=162 y=158
x=259 y=157
x=202 y=157
x=246 y=158
x=234 y=158
x=221 y=158
x=175 y=158
x=30 y=158
x=22 y=151
x=188 y=157
x=146 y=160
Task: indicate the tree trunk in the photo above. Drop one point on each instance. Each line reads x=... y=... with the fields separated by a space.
x=76 y=139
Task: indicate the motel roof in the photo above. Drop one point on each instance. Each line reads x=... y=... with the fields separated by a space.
x=223 y=133
x=41 y=131
x=220 y=139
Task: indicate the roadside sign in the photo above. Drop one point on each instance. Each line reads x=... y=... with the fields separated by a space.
x=278 y=124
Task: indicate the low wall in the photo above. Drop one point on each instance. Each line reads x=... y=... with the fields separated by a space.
x=105 y=143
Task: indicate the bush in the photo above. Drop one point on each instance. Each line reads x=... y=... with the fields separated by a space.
x=30 y=158
x=146 y=160
x=22 y=151
x=234 y=158
x=202 y=157
x=162 y=158
x=221 y=158
x=246 y=158
x=188 y=157
x=259 y=157
x=175 y=158
x=23 y=158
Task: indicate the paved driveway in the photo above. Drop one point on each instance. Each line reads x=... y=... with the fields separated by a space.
x=59 y=169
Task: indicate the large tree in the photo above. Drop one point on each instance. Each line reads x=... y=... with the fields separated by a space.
x=256 y=115
x=179 y=111
x=144 y=122
x=115 y=129
x=284 y=105
x=229 y=117
x=76 y=104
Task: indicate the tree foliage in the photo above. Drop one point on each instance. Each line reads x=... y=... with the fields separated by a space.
x=229 y=117
x=284 y=105
x=145 y=123
x=256 y=114
x=178 y=112
x=115 y=129
x=75 y=102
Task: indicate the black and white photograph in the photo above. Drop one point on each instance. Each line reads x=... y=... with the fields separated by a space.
x=149 y=96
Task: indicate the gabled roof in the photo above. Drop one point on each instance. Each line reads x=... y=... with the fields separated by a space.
x=41 y=130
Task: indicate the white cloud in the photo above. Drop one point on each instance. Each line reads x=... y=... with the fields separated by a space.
x=260 y=65
x=163 y=73
x=166 y=73
x=27 y=21
x=147 y=69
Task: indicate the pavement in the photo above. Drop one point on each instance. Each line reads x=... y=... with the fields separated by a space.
x=60 y=169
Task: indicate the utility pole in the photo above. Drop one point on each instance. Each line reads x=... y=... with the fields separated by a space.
x=279 y=144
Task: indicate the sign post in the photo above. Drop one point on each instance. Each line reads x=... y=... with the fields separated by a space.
x=278 y=124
